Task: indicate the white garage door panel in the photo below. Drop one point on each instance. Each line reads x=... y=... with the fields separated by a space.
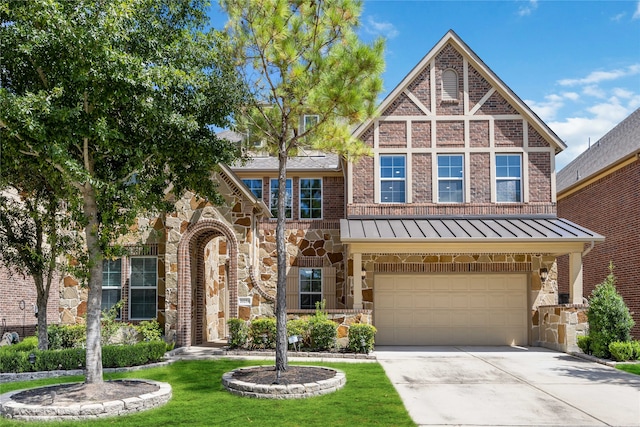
x=453 y=309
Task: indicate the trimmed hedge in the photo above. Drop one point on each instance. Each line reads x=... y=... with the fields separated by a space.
x=113 y=356
x=361 y=338
x=238 y=333
x=262 y=333
x=621 y=351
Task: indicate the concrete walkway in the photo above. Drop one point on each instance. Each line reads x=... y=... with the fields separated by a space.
x=500 y=386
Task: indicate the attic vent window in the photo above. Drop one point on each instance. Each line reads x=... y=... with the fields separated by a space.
x=450 y=85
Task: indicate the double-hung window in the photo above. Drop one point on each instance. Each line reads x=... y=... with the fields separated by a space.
x=143 y=288
x=111 y=283
x=310 y=287
x=255 y=186
x=450 y=178
x=508 y=178
x=273 y=198
x=310 y=198
x=392 y=179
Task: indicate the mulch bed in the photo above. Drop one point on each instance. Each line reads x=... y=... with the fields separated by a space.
x=70 y=394
x=293 y=375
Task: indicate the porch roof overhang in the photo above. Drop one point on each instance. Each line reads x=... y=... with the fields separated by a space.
x=550 y=235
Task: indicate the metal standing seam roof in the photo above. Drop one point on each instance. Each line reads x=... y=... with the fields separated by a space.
x=464 y=229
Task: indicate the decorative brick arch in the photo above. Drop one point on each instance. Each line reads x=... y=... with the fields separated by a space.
x=205 y=229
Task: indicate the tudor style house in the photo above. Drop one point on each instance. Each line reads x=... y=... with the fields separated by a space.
x=447 y=235
x=600 y=189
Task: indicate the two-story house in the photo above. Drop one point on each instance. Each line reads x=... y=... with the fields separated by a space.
x=448 y=234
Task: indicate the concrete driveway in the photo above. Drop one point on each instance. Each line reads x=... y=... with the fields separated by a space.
x=513 y=386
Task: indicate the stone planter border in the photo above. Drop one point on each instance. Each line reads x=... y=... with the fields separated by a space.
x=83 y=411
x=281 y=391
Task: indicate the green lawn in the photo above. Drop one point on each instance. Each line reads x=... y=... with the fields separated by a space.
x=199 y=399
x=633 y=368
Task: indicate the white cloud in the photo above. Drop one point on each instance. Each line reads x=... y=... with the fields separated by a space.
x=636 y=14
x=385 y=29
x=527 y=9
x=600 y=76
x=547 y=109
x=622 y=93
x=590 y=126
x=618 y=17
x=571 y=95
x=593 y=90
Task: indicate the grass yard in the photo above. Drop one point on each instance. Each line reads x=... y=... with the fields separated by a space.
x=632 y=368
x=199 y=399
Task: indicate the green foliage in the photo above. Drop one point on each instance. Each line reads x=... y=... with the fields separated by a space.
x=584 y=342
x=66 y=336
x=114 y=102
x=109 y=325
x=360 y=334
x=27 y=344
x=323 y=334
x=150 y=330
x=113 y=356
x=609 y=317
x=262 y=333
x=635 y=346
x=238 y=333
x=621 y=351
x=299 y=327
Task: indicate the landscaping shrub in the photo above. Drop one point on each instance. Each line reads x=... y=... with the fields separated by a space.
x=621 y=351
x=66 y=336
x=584 y=342
x=150 y=330
x=27 y=344
x=635 y=346
x=238 y=333
x=299 y=327
x=113 y=356
x=359 y=334
x=263 y=333
x=322 y=331
x=609 y=317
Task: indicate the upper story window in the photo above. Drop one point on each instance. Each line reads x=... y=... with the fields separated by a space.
x=111 y=283
x=450 y=178
x=309 y=121
x=273 y=198
x=143 y=286
x=449 y=85
x=255 y=185
x=310 y=287
x=392 y=179
x=311 y=198
x=508 y=178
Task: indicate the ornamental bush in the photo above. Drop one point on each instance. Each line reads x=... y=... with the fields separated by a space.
x=635 y=346
x=238 y=333
x=584 y=342
x=608 y=316
x=621 y=351
x=262 y=333
x=361 y=338
x=299 y=327
x=66 y=336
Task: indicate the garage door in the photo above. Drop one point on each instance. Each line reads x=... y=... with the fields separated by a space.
x=451 y=309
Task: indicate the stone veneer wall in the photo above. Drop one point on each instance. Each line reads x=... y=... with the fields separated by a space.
x=561 y=325
x=309 y=243
x=540 y=293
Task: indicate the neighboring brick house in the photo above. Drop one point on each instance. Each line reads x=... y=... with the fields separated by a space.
x=600 y=189
x=448 y=234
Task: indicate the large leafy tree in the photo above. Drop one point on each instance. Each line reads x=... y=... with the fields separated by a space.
x=302 y=58
x=35 y=229
x=118 y=98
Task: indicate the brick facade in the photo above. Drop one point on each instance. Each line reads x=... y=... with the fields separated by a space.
x=18 y=295
x=611 y=207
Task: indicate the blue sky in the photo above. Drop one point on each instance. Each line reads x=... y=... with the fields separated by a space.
x=575 y=63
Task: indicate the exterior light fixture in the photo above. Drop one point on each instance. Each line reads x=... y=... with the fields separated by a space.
x=544 y=273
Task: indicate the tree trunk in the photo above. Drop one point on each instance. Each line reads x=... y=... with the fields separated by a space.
x=41 y=303
x=94 y=302
x=282 y=363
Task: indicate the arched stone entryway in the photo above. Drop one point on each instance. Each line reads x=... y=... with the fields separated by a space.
x=192 y=246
